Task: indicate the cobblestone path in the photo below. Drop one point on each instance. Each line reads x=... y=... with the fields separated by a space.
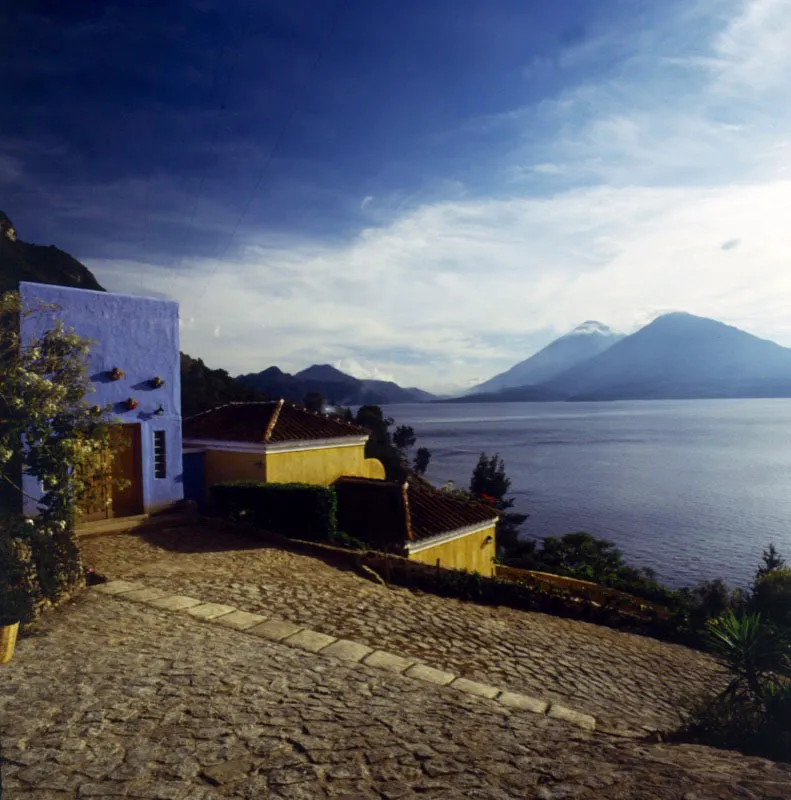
x=114 y=699
x=628 y=682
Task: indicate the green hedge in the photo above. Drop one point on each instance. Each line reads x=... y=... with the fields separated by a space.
x=293 y=509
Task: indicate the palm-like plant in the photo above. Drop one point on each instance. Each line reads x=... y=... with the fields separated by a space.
x=753 y=652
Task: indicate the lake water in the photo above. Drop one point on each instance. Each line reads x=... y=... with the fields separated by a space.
x=695 y=488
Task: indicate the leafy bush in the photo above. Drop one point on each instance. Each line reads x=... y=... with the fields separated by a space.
x=772 y=597
x=294 y=509
x=736 y=722
x=585 y=557
x=16 y=603
x=39 y=565
x=751 y=651
x=753 y=713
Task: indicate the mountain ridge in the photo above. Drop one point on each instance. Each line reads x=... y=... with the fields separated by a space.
x=583 y=342
x=23 y=261
x=676 y=356
x=335 y=386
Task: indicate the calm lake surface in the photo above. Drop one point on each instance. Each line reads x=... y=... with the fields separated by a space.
x=695 y=488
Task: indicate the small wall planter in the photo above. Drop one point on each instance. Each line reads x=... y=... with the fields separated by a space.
x=156 y=383
x=131 y=404
x=7 y=641
x=115 y=374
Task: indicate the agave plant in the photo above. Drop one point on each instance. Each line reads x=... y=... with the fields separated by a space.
x=754 y=653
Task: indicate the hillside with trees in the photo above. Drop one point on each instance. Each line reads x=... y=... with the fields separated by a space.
x=22 y=261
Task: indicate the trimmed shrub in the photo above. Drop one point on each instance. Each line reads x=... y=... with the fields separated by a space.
x=293 y=509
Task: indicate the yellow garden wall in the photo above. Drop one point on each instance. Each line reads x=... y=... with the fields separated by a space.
x=221 y=465
x=321 y=467
x=467 y=552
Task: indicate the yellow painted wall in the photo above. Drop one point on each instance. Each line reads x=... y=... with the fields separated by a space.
x=321 y=467
x=466 y=552
x=220 y=466
x=318 y=467
x=375 y=469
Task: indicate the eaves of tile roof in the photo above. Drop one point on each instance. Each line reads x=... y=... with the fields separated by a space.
x=384 y=512
x=267 y=422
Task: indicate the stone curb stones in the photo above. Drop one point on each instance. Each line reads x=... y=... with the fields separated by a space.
x=292 y=635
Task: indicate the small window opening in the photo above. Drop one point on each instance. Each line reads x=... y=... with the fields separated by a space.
x=160 y=455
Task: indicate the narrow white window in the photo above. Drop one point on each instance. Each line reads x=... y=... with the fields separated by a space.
x=160 y=455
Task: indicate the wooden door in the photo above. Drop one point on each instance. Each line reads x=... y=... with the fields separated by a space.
x=127 y=477
x=95 y=502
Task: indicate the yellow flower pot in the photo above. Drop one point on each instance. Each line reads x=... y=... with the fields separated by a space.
x=7 y=641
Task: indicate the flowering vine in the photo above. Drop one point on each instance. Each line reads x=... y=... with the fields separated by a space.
x=46 y=420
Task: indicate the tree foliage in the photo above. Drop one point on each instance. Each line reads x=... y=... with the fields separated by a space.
x=203 y=388
x=391 y=449
x=380 y=444
x=772 y=597
x=314 y=401
x=44 y=387
x=770 y=561
x=753 y=712
x=421 y=461
x=490 y=484
x=753 y=652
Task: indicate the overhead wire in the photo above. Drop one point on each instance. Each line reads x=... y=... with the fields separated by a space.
x=224 y=98
x=299 y=96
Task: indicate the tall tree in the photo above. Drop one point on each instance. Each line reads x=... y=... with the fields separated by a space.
x=380 y=444
x=770 y=561
x=404 y=438
x=490 y=484
x=422 y=460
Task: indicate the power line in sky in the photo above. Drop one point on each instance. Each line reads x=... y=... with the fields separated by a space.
x=343 y=5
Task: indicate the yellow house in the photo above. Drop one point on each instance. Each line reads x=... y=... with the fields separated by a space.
x=276 y=442
x=419 y=522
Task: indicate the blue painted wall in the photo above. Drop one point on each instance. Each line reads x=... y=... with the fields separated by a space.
x=140 y=336
x=194 y=478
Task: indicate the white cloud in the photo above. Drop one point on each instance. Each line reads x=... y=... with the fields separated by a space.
x=682 y=153
x=362 y=370
x=366 y=201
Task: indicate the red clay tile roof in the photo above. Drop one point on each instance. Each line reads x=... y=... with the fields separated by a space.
x=272 y=421
x=433 y=512
x=376 y=511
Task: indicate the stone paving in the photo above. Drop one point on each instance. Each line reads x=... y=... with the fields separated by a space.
x=291 y=635
x=629 y=683
x=110 y=698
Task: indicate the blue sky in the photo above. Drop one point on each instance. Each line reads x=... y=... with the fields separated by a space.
x=425 y=191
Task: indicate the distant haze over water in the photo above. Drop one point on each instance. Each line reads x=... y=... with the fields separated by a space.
x=695 y=488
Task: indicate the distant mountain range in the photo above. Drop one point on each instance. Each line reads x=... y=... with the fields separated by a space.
x=677 y=356
x=21 y=261
x=584 y=342
x=201 y=386
x=335 y=386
